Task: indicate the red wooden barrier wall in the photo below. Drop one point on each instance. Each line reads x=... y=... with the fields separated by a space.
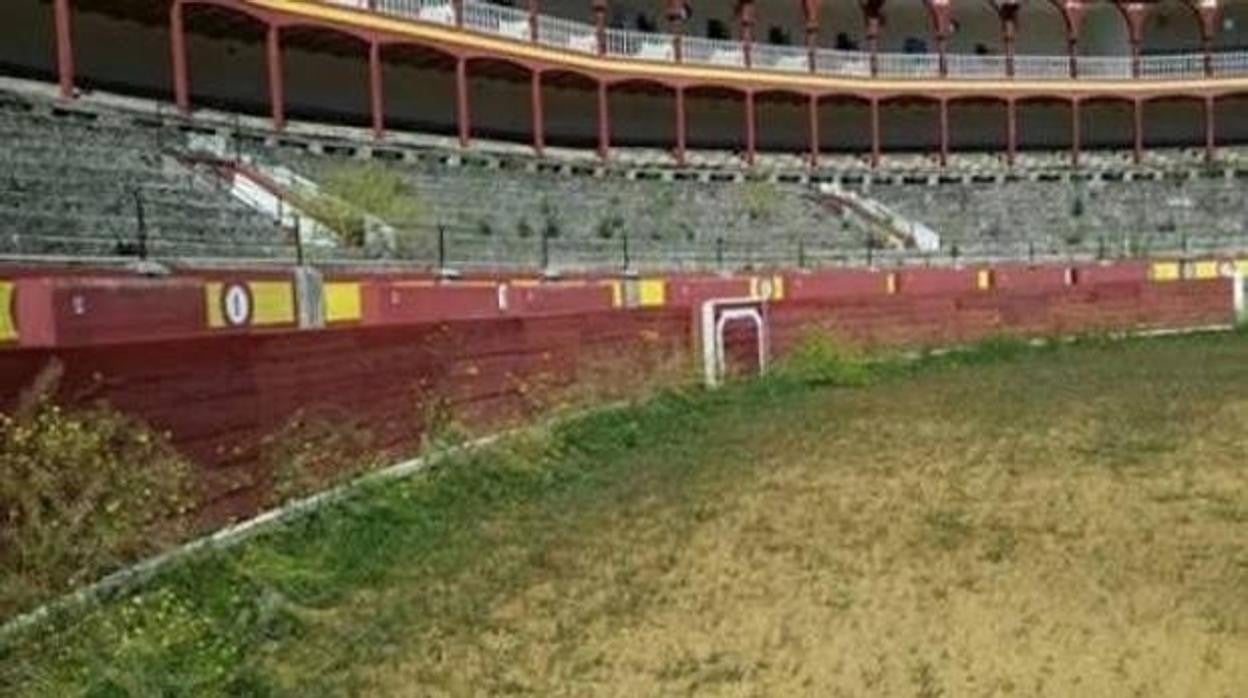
x=143 y=346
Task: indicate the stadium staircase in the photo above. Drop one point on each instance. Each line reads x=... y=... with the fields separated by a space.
x=894 y=230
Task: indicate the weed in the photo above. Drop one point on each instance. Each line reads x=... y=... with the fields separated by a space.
x=818 y=359
x=81 y=493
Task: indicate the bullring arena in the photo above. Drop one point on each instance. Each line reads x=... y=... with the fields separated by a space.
x=623 y=348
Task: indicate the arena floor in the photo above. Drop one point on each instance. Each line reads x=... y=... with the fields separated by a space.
x=1063 y=522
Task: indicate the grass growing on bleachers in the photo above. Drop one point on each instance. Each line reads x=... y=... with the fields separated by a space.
x=1065 y=521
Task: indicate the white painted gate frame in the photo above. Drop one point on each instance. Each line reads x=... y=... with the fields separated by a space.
x=712 y=327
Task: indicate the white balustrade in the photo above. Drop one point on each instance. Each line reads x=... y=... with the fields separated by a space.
x=1104 y=67
x=847 y=63
x=633 y=44
x=793 y=59
x=514 y=23
x=497 y=19
x=437 y=11
x=971 y=66
x=712 y=51
x=1172 y=66
x=567 y=34
x=909 y=65
x=1042 y=67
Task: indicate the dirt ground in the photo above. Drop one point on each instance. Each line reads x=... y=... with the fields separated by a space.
x=1068 y=526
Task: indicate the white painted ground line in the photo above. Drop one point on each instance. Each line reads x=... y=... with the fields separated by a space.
x=230 y=536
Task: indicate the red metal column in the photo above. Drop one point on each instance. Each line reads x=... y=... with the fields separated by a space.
x=1008 y=12
x=277 y=92
x=1134 y=14
x=1072 y=12
x=813 y=115
x=940 y=16
x=375 y=90
x=538 y=113
x=64 y=47
x=1137 y=118
x=177 y=49
x=875 y=132
x=1076 y=132
x=873 y=40
x=600 y=25
x=676 y=23
x=810 y=9
x=745 y=30
x=1207 y=14
x=463 y=114
x=750 y=128
x=1011 y=131
x=944 y=132
x=681 y=126
x=604 y=123
x=1210 y=130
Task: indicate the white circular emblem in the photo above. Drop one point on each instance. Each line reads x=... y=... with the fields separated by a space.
x=236 y=305
x=765 y=289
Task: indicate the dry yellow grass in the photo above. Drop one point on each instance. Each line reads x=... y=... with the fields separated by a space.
x=1072 y=525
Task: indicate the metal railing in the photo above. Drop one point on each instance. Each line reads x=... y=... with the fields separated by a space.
x=782 y=58
x=713 y=51
x=435 y=11
x=498 y=20
x=579 y=37
x=566 y=34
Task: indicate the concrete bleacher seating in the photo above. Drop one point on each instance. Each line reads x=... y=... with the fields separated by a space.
x=496 y=215
x=1157 y=215
x=71 y=183
x=84 y=188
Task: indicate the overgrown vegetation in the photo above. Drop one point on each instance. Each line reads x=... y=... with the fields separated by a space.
x=82 y=492
x=999 y=520
x=818 y=359
x=350 y=192
x=761 y=198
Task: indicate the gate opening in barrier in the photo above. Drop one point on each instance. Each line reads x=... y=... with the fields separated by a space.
x=734 y=339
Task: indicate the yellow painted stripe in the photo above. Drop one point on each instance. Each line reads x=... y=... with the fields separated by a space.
x=1205 y=269
x=652 y=293
x=890 y=283
x=212 y=300
x=1241 y=266
x=770 y=288
x=1165 y=271
x=8 y=324
x=273 y=302
x=342 y=302
x=617 y=293
x=983 y=279
x=441 y=34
